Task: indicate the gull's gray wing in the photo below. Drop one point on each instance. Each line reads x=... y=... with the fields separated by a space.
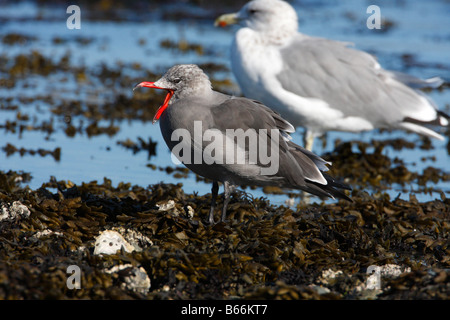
x=298 y=167
x=243 y=113
x=415 y=82
x=349 y=80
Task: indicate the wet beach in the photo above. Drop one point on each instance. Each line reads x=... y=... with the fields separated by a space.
x=79 y=156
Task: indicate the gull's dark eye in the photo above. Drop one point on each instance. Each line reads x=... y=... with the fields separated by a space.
x=176 y=80
x=252 y=11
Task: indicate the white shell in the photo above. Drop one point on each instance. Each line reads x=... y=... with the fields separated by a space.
x=109 y=242
x=13 y=211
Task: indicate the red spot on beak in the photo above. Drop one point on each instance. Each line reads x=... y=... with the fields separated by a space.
x=222 y=24
x=166 y=100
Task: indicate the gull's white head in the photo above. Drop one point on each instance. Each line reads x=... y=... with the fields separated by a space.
x=274 y=18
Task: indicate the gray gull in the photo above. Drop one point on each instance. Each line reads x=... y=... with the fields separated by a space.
x=207 y=131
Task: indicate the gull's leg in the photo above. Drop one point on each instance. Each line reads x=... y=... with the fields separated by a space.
x=214 y=192
x=228 y=189
x=308 y=139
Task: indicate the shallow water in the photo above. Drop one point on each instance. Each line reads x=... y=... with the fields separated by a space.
x=421 y=29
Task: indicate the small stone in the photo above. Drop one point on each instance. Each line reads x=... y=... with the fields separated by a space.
x=393 y=270
x=320 y=289
x=374 y=281
x=14 y=211
x=45 y=233
x=290 y=202
x=170 y=208
x=329 y=274
x=189 y=212
x=134 y=238
x=135 y=280
x=166 y=206
x=109 y=242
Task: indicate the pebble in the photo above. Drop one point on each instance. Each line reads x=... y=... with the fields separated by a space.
x=137 y=240
x=45 y=233
x=14 y=211
x=136 y=279
x=170 y=207
x=109 y=242
x=387 y=270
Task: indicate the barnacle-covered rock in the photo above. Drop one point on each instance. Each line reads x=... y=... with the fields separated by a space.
x=136 y=239
x=110 y=241
x=116 y=238
x=131 y=278
x=45 y=233
x=13 y=211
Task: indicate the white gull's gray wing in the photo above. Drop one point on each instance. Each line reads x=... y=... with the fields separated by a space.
x=415 y=82
x=350 y=81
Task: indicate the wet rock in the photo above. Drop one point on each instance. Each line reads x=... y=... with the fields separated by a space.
x=137 y=240
x=45 y=233
x=17 y=38
x=330 y=276
x=167 y=206
x=11 y=212
x=387 y=271
x=118 y=238
x=149 y=146
x=109 y=242
x=10 y=150
x=182 y=46
x=131 y=278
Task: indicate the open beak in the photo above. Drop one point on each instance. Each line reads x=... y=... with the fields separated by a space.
x=226 y=19
x=165 y=104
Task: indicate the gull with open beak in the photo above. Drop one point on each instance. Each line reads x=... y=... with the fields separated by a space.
x=190 y=101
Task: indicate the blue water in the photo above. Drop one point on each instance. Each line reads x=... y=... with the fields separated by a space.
x=421 y=28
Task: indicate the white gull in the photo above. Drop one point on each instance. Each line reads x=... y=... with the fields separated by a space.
x=320 y=84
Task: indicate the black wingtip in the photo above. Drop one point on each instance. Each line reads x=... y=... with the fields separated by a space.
x=333 y=188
